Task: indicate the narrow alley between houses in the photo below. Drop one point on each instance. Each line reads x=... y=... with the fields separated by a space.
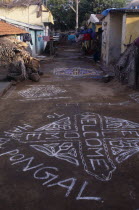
x=70 y=141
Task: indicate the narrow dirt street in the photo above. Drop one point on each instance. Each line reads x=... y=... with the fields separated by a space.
x=69 y=142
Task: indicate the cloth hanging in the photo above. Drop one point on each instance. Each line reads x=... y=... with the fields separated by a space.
x=27 y=38
x=87 y=37
x=46 y=38
x=71 y=37
x=93 y=35
x=80 y=38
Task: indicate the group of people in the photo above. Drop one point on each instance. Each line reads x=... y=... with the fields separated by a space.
x=90 y=41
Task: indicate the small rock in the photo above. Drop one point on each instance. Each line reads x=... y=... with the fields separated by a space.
x=35 y=77
x=40 y=73
x=107 y=78
x=14 y=83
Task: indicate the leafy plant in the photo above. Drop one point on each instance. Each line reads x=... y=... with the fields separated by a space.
x=65 y=17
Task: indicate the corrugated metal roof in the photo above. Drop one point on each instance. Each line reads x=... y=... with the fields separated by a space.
x=125 y=11
x=21 y=24
x=8 y=29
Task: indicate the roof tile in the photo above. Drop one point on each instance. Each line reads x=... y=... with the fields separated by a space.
x=8 y=29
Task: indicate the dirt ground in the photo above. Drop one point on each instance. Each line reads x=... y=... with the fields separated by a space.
x=71 y=141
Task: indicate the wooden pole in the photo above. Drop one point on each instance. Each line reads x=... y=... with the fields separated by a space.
x=77 y=15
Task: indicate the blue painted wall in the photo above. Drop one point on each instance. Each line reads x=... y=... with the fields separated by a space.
x=39 y=42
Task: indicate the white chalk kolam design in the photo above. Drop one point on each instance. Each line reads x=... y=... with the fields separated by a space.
x=3 y=141
x=41 y=91
x=95 y=143
x=135 y=97
x=64 y=151
x=78 y=72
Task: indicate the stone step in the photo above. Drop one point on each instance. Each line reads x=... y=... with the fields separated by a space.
x=4 y=87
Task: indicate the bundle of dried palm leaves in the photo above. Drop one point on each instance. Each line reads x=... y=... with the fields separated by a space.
x=127 y=67
x=15 y=57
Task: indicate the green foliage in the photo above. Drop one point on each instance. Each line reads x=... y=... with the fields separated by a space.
x=64 y=16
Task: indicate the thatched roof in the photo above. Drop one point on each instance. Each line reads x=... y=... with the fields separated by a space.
x=19 y=3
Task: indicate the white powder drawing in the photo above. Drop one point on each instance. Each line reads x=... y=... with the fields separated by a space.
x=41 y=91
x=125 y=103
x=4 y=141
x=97 y=143
x=48 y=175
x=135 y=97
x=64 y=151
x=78 y=72
x=63 y=124
x=115 y=123
x=122 y=149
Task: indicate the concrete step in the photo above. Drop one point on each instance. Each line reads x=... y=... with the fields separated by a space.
x=4 y=87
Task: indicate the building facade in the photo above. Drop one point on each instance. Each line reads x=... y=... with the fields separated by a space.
x=120 y=28
x=32 y=16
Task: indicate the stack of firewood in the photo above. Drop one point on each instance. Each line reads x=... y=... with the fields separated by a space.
x=15 y=57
